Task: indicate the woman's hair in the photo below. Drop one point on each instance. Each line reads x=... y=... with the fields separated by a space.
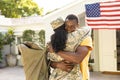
x=72 y=17
x=58 y=39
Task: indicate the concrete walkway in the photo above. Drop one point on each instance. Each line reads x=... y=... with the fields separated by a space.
x=17 y=73
x=12 y=73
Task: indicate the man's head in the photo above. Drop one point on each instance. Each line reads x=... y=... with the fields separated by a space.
x=71 y=23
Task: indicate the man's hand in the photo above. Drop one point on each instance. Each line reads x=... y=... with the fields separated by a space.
x=63 y=65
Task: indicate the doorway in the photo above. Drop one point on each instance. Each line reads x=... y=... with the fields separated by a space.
x=118 y=48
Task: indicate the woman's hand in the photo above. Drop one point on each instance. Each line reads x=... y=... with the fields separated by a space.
x=49 y=47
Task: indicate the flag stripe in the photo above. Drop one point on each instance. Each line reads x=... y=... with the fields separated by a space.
x=103 y=20
x=117 y=10
x=104 y=6
x=97 y=18
x=112 y=8
x=110 y=3
x=104 y=25
x=109 y=15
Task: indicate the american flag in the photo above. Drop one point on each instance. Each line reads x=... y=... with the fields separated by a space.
x=103 y=15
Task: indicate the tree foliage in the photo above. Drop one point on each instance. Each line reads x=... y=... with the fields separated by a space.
x=33 y=36
x=9 y=37
x=42 y=37
x=28 y=35
x=1 y=45
x=19 y=8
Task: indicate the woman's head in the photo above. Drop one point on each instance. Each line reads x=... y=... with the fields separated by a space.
x=71 y=23
x=58 y=39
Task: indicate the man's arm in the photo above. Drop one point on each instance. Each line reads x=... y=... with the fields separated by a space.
x=81 y=51
x=76 y=57
x=86 y=43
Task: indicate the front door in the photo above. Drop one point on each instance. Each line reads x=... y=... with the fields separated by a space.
x=107 y=51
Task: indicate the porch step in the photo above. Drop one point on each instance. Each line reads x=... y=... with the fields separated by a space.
x=111 y=72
